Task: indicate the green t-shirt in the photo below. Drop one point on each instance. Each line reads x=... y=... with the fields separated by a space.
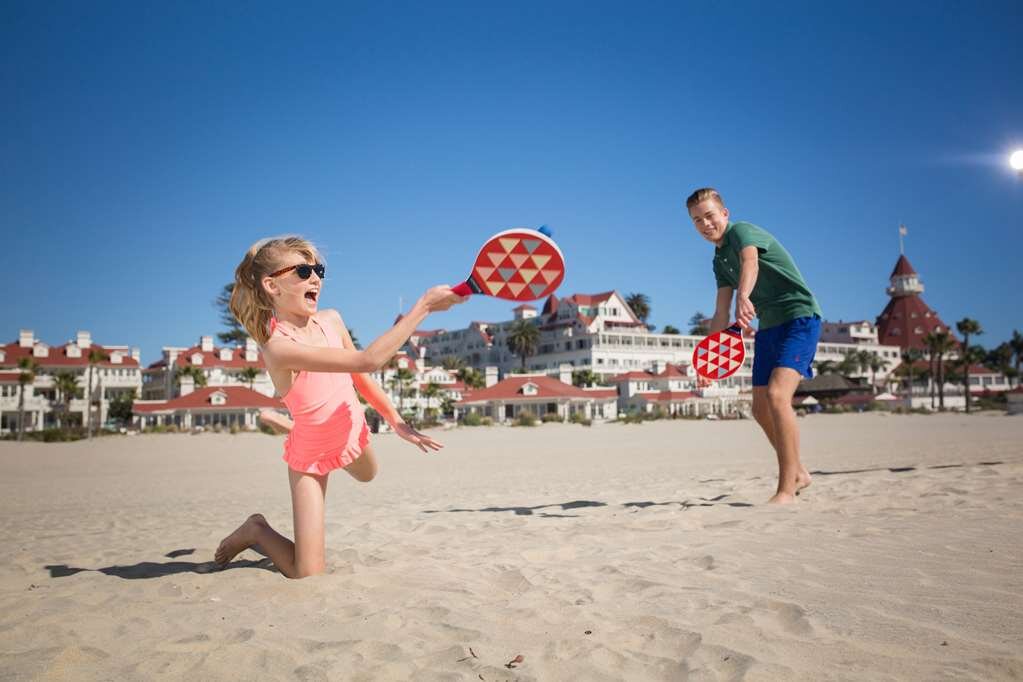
x=780 y=293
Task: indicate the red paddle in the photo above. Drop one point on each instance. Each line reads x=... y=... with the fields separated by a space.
x=720 y=355
x=517 y=265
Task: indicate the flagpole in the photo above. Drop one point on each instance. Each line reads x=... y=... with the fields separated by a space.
x=902 y=233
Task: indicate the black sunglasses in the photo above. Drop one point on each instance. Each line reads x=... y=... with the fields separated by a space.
x=303 y=270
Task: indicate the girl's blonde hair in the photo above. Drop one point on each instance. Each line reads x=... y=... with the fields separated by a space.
x=250 y=303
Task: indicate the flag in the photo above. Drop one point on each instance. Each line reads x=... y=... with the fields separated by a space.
x=903 y=230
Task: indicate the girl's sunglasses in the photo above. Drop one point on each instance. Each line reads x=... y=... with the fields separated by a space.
x=303 y=270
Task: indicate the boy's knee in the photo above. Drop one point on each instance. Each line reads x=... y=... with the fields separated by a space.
x=778 y=397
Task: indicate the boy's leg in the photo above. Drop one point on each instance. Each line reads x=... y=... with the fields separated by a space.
x=791 y=474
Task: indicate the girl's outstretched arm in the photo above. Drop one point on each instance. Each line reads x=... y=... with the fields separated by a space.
x=297 y=356
x=364 y=383
x=378 y=400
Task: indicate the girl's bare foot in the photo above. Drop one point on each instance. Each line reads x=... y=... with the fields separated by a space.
x=803 y=479
x=276 y=421
x=782 y=498
x=241 y=539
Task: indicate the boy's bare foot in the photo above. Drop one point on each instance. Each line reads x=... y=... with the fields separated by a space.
x=241 y=539
x=782 y=498
x=276 y=421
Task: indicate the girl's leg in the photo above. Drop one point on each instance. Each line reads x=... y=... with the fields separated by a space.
x=298 y=559
x=364 y=469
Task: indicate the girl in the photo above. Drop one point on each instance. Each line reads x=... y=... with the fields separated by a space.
x=316 y=370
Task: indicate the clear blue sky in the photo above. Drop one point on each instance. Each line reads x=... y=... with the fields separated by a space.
x=146 y=145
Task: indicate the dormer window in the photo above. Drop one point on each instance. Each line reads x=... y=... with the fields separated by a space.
x=218 y=398
x=74 y=351
x=529 y=389
x=196 y=358
x=226 y=354
x=116 y=358
x=41 y=350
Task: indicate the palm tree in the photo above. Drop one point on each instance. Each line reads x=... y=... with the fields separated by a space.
x=1016 y=344
x=910 y=356
x=669 y=329
x=66 y=384
x=999 y=358
x=452 y=363
x=938 y=345
x=400 y=383
x=966 y=326
x=26 y=375
x=472 y=377
x=249 y=374
x=699 y=324
x=96 y=356
x=640 y=304
x=850 y=364
x=432 y=390
x=826 y=366
x=522 y=339
x=198 y=376
x=876 y=364
x=584 y=377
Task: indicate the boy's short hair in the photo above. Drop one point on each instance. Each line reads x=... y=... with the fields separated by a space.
x=703 y=194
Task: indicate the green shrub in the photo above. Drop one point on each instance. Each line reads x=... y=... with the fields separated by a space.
x=525 y=419
x=551 y=417
x=472 y=419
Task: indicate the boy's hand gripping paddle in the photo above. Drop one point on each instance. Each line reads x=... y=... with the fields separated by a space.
x=720 y=355
x=517 y=265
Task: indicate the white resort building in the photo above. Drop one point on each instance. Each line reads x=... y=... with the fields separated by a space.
x=172 y=375
x=115 y=373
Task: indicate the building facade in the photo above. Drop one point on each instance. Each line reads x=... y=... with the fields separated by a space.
x=163 y=379
x=115 y=373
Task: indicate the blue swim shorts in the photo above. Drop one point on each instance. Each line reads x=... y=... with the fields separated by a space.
x=792 y=344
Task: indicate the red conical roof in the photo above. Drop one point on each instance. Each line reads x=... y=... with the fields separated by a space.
x=902 y=267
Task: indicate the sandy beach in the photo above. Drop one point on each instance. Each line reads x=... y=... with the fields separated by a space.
x=617 y=552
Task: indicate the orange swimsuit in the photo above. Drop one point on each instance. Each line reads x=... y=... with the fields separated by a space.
x=330 y=429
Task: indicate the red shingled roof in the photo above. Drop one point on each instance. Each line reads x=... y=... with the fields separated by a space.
x=590 y=299
x=238 y=397
x=511 y=389
x=9 y=377
x=671 y=371
x=902 y=267
x=212 y=358
x=896 y=325
x=453 y=386
x=58 y=356
x=668 y=396
x=601 y=392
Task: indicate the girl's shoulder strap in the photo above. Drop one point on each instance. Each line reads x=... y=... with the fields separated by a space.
x=276 y=329
x=330 y=329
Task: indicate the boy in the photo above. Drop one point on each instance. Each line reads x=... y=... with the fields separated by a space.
x=767 y=284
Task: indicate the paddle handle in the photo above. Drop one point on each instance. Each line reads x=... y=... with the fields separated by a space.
x=466 y=288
